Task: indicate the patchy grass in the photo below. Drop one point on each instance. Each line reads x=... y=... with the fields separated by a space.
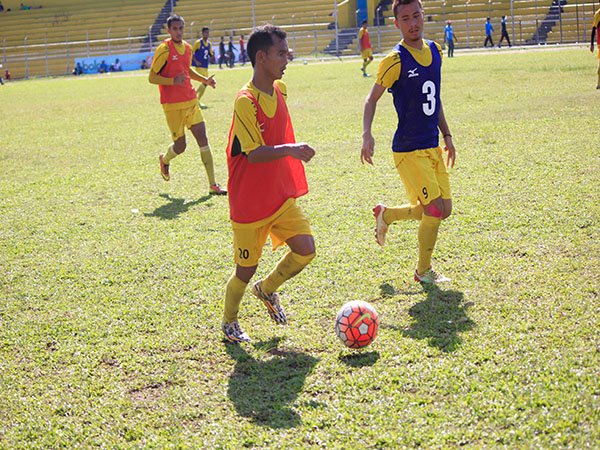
x=112 y=281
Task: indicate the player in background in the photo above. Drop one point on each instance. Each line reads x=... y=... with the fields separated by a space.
x=596 y=36
x=202 y=51
x=489 y=29
x=171 y=71
x=411 y=72
x=504 y=33
x=364 y=43
x=266 y=175
x=450 y=37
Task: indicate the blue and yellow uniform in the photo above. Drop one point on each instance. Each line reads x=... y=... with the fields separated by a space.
x=413 y=78
x=202 y=51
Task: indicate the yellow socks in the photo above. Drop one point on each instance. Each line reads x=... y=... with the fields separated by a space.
x=290 y=265
x=207 y=159
x=428 y=231
x=169 y=155
x=233 y=297
x=404 y=212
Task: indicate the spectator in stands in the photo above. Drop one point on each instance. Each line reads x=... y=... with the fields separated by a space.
x=78 y=70
x=1 y=82
x=116 y=67
x=230 y=52
x=364 y=44
x=450 y=37
x=144 y=65
x=7 y=75
x=1 y=7
x=504 y=33
x=243 y=55
x=103 y=68
x=489 y=29
x=171 y=70
x=596 y=34
x=221 y=52
x=201 y=53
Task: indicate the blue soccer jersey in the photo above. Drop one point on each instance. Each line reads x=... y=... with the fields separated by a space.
x=417 y=101
x=202 y=54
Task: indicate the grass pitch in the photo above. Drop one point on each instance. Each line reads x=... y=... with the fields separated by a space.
x=112 y=281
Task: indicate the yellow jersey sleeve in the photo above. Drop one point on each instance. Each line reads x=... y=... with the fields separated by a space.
x=389 y=70
x=196 y=46
x=361 y=33
x=596 y=19
x=161 y=55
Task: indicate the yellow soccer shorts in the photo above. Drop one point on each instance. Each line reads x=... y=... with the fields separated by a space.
x=249 y=241
x=424 y=174
x=367 y=53
x=179 y=119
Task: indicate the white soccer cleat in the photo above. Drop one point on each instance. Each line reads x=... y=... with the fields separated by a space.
x=381 y=228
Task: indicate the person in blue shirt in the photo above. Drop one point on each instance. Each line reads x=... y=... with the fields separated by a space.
x=449 y=37
x=489 y=29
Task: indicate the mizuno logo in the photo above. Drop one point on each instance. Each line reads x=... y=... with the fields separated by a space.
x=175 y=58
x=413 y=73
x=361 y=318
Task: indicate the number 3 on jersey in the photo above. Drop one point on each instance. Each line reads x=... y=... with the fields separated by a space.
x=429 y=90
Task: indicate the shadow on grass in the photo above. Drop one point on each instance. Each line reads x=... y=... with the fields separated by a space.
x=360 y=359
x=264 y=389
x=174 y=207
x=439 y=319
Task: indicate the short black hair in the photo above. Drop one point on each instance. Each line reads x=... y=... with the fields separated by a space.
x=205 y=29
x=262 y=39
x=398 y=3
x=364 y=22
x=174 y=18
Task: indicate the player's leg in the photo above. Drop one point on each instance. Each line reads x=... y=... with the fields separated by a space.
x=598 y=71
x=198 y=129
x=247 y=245
x=435 y=197
x=175 y=122
x=293 y=228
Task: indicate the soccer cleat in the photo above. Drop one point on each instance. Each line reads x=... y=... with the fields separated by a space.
x=381 y=228
x=215 y=189
x=164 y=168
x=271 y=301
x=233 y=332
x=431 y=277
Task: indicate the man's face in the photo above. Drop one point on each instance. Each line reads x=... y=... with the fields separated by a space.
x=276 y=59
x=410 y=20
x=205 y=35
x=176 y=30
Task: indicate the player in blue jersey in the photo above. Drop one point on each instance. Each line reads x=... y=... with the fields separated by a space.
x=411 y=72
x=202 y=51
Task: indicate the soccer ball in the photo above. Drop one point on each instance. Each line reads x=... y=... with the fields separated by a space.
x=356 y=324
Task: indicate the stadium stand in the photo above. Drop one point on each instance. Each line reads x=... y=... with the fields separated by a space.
x=42 y=42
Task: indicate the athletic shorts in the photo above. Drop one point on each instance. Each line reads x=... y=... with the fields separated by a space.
x=366 y=53
x=179 y=119
x=248 y=241
x=424 y=174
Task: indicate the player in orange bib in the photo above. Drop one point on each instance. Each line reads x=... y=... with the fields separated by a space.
x=172 y=73
x=596 y=36
x=366 y=52
x=266 y=175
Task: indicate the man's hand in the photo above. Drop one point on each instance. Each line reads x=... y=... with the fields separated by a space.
x=210 y=81
x=179 y=79
x=368 y=149
x=301 y=151
x=449 y=147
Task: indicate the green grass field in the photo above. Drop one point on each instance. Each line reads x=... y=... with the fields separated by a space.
x=112 y=281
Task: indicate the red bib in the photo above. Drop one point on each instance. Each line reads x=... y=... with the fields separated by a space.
x=176 y=64
x=257 y=191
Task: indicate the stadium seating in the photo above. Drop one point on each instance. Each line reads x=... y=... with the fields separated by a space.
x=41 y=42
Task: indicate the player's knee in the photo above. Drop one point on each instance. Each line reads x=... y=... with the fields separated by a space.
x=434 y=209
x=179 y=147
x=304 y=260
x=447 y=212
